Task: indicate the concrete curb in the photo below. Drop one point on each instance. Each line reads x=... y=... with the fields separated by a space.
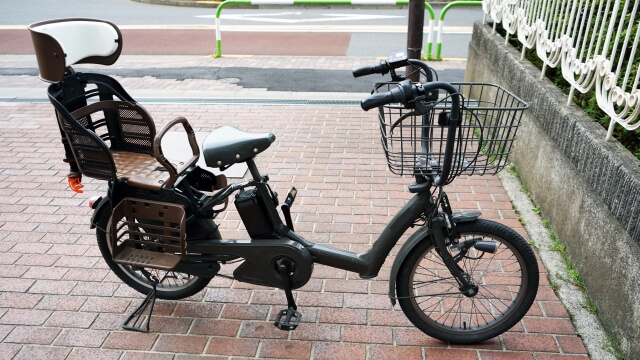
x=583 y=185
x=587 y=325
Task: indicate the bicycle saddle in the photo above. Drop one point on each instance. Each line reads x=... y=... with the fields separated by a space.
x=227 y=145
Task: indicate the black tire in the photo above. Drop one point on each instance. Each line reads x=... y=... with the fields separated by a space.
x=172 y=286
x=507 y=281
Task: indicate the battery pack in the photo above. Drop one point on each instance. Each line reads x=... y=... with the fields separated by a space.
x=254 y=215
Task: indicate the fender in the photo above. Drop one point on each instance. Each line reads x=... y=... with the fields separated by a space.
x=98 y=207
x=413 y=240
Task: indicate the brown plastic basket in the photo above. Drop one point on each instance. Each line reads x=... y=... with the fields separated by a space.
x=148 y=234
x=414 y=143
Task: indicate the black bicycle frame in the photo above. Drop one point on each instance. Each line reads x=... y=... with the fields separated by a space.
x=367 y=264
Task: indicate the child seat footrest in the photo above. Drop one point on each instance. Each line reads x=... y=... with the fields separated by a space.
x=148 y=234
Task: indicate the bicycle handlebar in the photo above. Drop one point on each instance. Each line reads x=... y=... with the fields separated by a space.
x=382 y=68
x=406 y=92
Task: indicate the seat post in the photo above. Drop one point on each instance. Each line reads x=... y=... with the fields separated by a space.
x=254 y=170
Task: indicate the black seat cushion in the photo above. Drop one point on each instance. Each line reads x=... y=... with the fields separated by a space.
x=227 y=146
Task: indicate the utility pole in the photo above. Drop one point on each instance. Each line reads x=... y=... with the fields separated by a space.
x=414 y=33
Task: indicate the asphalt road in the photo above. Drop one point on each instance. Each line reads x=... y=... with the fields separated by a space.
x=284 y=30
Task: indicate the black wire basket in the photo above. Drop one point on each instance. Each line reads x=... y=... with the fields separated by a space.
x=414 y=135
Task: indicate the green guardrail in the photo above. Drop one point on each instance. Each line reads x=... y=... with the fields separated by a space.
x=441 y=22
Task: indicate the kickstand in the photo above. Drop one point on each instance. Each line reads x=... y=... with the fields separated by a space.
x=137 y=321
x=287 y=319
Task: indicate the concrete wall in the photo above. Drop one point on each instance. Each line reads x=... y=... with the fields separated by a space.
x=588 y=189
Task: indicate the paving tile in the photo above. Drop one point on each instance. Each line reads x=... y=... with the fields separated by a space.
x=56 y=287
x=69 y=319
x=200 y=357
x=94 y=289
x=60 y=302
x=8 y=351
x=37 y=260
x=130 y=341
x=94 y=354
x=170 y=325
x=416 y=337
x=8 y=259
x=228 y=296
x=554 y=309
x=367 y=335
x=136 y=355
x=215 y=327
x=544 y=356
x=571 y=344
x=384 y=352
x=499 y=355
x=25 y=317
x=367 y=301
x=446 y=354
x=317 y=332
x=346 y=286
x=331 y=351
x=81 y=338
x=19 y=300
x=32 y=335
x=5 y=329
x=549 y=326
x=105 y=305
x=46 y=273
x=343 y=316
x=388 y=318
x=285 y=349
x=109 y=321
x=261 y=330
x=197 y=310
x=245 y=312
x=181 y=344
x=232 y=346
x=529 y=342
x=42 y=352
x=321 y=299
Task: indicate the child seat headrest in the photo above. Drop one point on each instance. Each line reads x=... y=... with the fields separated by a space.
x=63 y=42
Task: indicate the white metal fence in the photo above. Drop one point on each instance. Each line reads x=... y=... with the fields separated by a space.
x=595 y=42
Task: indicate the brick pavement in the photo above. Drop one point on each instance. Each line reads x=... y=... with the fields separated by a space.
x=59 y=301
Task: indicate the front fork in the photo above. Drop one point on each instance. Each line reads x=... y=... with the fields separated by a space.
x=440 y=224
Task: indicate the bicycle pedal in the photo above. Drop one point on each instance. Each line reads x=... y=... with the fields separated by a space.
x=287 y=319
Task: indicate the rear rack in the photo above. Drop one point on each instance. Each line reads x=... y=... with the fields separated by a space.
x=148 y=234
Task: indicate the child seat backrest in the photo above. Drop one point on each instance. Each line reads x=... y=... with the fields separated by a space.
x=61 y=43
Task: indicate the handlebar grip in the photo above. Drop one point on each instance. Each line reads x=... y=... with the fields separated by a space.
x=382 y=68
x=379 y=99
x=366 y=70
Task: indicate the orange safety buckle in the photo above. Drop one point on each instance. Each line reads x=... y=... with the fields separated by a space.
x=75 y=185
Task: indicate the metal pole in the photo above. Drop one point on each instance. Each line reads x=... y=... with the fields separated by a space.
x=414 y=33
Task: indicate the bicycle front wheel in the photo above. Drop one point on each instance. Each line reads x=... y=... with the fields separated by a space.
x=507 y=281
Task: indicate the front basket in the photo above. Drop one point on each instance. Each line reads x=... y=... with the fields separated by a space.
x=414 y=142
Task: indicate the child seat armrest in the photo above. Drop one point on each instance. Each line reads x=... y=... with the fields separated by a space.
x=157 y=145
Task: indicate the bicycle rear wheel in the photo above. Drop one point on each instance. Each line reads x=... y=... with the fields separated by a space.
x=172 y=285
x=507 y=283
